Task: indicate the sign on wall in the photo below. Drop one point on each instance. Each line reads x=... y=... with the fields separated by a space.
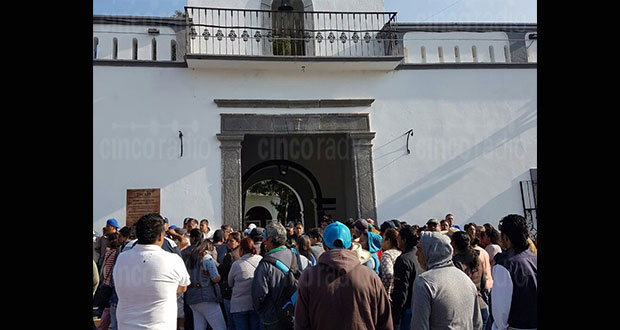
x=141 y=202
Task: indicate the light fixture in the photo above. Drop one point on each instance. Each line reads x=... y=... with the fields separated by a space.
x=285 y=6
x=283 y=168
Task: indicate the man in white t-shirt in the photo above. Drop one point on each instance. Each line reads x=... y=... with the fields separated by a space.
x=207 y=232
x=147 y=280
x=490 y=240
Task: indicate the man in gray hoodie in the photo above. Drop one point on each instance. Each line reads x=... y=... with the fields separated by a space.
x=269 y=282
x=444 y=297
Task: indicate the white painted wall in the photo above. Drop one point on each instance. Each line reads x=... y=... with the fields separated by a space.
x=474 y=136
x=237 y=4
x=424 y=47
x=125 y=35
x=253 y=200
x=318 y=5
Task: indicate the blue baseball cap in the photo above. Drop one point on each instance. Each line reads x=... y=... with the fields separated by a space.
x=112 y=222
x=337 y=231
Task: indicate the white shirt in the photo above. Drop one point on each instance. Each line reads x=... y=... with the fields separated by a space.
x=134 y=241
x=492 y=250
x=501 y=297
x=208 y=235
x=146 y=279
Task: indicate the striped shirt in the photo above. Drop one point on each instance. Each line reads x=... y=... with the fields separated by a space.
x=110 y=257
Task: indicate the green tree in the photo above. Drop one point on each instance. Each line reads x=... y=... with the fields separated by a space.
x=288 y=207
x=178 y=14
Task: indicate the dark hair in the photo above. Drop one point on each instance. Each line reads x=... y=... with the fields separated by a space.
x=493 y=235
x=303 y=246
x=391 y=235
x=235 y=235
x=327 y=219
x=149 y=227
x=388 y=224
x=114 y=240
x=218 y=236
x=205 y=220
x=515 y=227
x=128 y=232
x=411 y=238
x=316 y=234
x=348 y=223
x=466 y=255
x=247 y=246
x=396 y=223
x=196 y=256
x=488 y=226
x=256 y=236
x=192 y=220
x=226 y=227
x=195 y=237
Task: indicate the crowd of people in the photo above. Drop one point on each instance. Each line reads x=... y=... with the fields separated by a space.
x=340 y=275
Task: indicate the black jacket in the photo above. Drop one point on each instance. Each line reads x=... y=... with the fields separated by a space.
x=404 y=275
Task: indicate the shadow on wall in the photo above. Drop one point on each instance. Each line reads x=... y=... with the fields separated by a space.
x=510 y=199
x=418 y=192
x=389 y=150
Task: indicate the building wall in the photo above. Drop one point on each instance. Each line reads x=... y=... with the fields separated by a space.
x=253 y=200
x=474 y=136
x=456 y=47
x=125 y=34
x=318 y=5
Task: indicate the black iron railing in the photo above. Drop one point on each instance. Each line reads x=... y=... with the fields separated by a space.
x=528 y=197
x=222 y=31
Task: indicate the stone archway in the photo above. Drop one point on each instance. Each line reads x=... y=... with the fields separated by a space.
x=355 y=126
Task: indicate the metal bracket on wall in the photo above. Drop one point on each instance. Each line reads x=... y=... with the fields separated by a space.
x=181 y=138
x=409 y=133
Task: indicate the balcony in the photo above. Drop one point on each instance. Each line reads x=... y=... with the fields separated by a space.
x=219 y=38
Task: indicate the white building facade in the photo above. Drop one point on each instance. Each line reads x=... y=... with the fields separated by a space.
x=427 y=119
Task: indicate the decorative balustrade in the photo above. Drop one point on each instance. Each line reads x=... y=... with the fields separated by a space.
x=219 y=31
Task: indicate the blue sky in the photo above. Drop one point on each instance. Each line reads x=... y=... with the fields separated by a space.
x=517 y=11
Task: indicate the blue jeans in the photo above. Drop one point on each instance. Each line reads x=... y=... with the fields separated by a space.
x=208 y=312
x=231 y=321
x=247 y=320
x=485 y=316
x=405 y=319
x=113 y=323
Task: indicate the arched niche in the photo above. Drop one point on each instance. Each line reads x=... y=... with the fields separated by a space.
x=307 y=18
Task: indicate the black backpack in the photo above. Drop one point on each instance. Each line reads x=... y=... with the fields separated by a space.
x=286 y=301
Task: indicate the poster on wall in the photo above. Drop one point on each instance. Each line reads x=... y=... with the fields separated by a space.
x=141 y=202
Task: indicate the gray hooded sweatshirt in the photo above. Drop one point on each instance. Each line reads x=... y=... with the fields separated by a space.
x=444 y=297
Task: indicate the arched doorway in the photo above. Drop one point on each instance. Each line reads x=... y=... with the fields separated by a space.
x=346 y=182
x=298 y=25
x=295 y=177
x=257 y=215
x=288 y=28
